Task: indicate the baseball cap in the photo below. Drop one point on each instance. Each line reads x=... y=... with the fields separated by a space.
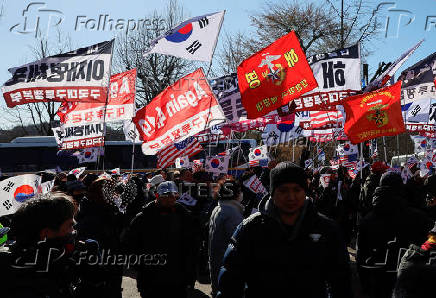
x=167 y=187
x=156 y=180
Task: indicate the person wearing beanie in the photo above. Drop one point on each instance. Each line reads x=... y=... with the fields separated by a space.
x=286 y=248
x=164 y=230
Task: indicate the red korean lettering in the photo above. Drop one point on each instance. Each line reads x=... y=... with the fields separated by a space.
x=186 y=128
x=88 y=116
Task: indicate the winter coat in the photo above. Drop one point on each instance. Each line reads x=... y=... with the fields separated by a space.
x=382 y=233
x=103 y=223
x=369 y=186
x=166 y=239
x=415 y=256
x=223 y=221
x=266 y=258
x=36 y=272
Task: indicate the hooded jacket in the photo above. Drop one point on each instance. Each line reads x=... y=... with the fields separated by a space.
x=308 y=259
x=383 y=233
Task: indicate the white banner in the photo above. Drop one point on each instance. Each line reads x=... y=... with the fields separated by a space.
x=79 y=75
x=338 y=76
x=79 y=136
x=255 y=185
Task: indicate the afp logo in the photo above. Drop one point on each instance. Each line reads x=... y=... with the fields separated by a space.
x=38 y=20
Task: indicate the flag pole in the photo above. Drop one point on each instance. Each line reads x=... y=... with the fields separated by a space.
x=133 y=156
x=361 y=161
x=107 y=98
x=384 y=149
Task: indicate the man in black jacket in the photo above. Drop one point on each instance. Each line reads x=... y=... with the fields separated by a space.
x=384 y=233
x=163 y=238
x=287 y=249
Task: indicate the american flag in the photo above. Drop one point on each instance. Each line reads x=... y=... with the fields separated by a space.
x=348 y=161
x=258 y=163
x=352 y=173
x=323 y=120
x=167 y=156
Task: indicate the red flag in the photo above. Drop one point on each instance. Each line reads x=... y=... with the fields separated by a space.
x=120 y=103
x=180 y=111
x=274 y=76
x=374 y=114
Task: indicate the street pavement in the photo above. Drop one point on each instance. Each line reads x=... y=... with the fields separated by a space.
x=130 y=291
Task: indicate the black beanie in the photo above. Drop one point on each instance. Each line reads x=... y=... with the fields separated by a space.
x=392 y=179
x=287 y=172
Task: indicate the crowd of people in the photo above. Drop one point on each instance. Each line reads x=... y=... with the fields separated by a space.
x=172 y=228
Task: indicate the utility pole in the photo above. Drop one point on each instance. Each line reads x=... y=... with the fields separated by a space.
x=342 y=24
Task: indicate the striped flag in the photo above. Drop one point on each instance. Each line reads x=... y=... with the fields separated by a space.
x=258 y=163
x=352 y=173
x=168 y=155
x=348 y=161
x=323 y=120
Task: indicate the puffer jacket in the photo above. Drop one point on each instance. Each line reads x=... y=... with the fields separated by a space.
x=265 y=258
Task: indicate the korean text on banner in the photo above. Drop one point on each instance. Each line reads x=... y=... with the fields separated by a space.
x=80 y=75
x=338 y=76
x=374 y=114
x=274 y=76
x=120 y=105
x=71 y=137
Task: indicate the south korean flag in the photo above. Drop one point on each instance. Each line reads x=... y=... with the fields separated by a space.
x=183 y=162
x=427 y=165
x=90 y=154
x=258 y=156
x=347 y=149
x=217 y=164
